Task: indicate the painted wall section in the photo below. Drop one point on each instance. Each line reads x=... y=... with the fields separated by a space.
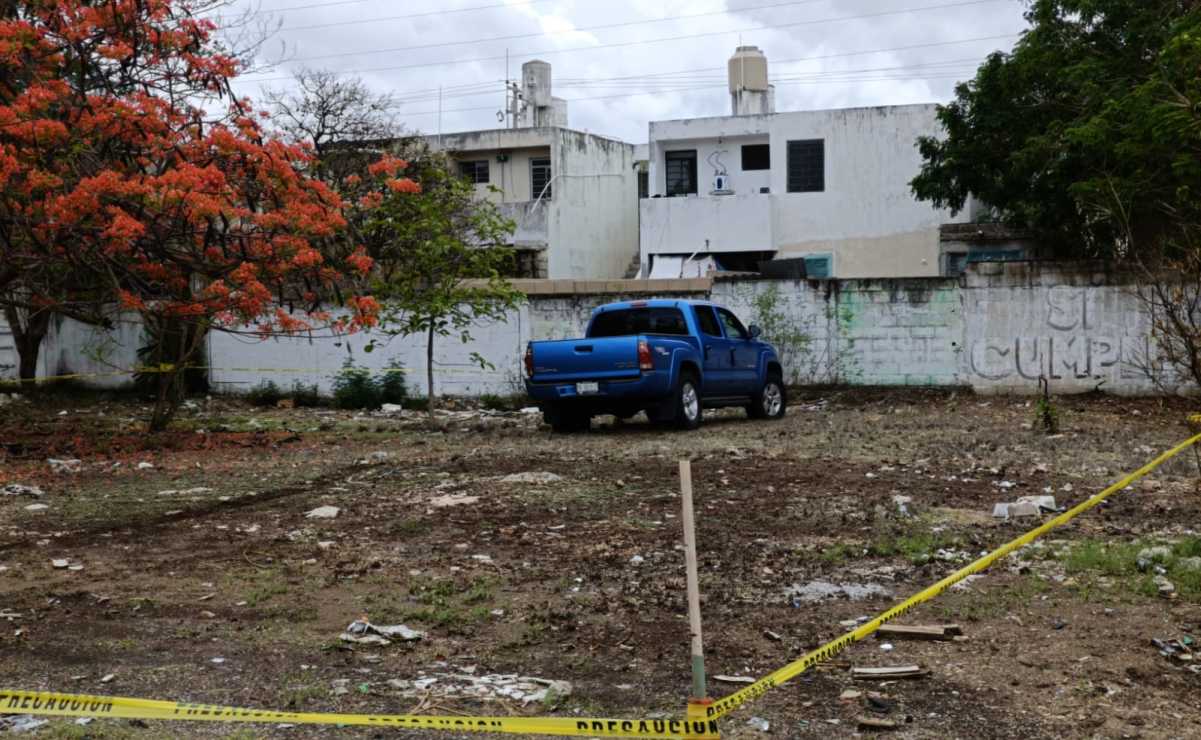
x=995 y=329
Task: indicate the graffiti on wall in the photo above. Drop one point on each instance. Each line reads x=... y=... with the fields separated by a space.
x=1071 y=343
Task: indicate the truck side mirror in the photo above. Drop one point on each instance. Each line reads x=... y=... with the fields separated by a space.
x=755 y=331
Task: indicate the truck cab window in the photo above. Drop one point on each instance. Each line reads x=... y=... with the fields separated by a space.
x=734 y=328
x=706 y=320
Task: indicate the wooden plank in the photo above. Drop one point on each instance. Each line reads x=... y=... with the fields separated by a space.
x=919 y=631
x=886 y=672
x=693 y=583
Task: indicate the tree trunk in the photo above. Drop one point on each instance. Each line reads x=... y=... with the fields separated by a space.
x=429 y=371
x=28 y=336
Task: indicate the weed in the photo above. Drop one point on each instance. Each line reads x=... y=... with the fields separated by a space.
x=918 y=547
x=479 y=591
x=502 y=403
x=354 y=388
x=306 y=396
x=1120 y=561
x=1046 y=416
x=840 y=552
x=392 y=383
x=266 y=393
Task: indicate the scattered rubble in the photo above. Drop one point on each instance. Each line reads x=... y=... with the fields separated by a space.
x=36 y=507
x=18 y=723
x=538 y=479
x=453 y=499
x=391 y=408
x=818 y=590
x=1149 y=556
x=491 y=687
x=1165 y=587
x=759 y=724
x=1025 y=506
x=1180 y=650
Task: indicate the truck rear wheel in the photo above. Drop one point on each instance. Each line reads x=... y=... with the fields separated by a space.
x=566 y=421
x=688 y=412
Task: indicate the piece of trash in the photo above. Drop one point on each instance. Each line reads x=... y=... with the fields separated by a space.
x=888 y=672
x=65 y=466
x=637 y=560
x=1149 y=556
x=1015 y=509
x=902 y=504
x=36 y=507
x=734 y=679
x=886 y=647
x=879 y=703
x=145 y=466
x=492 y=687
x=21 y=723
x=1165 y=587
x=850 y=695
x=217 y=661
x=363 y=632
x=453 y=499
x=391 y=408
x=108 y=677
x=541 y=478
x=323 y=512
x=18 y=489
x=772 y=635
x=759 y=724
x=876 y=723
x=531 y=410
x=920 y=632
x=1044 y=503
x=60 y=563
x=1179 y=650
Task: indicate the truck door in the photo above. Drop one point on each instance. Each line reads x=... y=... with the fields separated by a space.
x=743 y=376
x=715 y=350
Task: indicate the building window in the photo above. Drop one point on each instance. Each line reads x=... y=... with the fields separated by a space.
x=475 y=171
x=756 y=157
x=817 y=267
x=644 y=184
x=681 y=172
x=540 y=178
x=807 y=166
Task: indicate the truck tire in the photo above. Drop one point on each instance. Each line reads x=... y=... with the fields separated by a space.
x=771 y=401
x=566 y=421
x=687 y=403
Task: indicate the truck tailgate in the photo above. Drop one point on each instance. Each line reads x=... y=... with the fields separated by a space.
x=571 y=360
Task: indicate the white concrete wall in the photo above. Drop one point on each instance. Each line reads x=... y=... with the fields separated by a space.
x=71 y=347
x=996 y=329
x=866 y=217
x=593 y=223
x=687 y=225
x=512 y=178
x=8 y=351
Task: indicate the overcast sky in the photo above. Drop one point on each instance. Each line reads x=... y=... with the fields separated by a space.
x=623 y=63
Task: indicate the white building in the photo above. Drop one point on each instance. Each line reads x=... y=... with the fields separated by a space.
x=828 y=186
x=573 y=195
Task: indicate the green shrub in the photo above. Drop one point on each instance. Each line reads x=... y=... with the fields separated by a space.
x=392 y=384
x=306 y=396
x=354 y=388
x=501 y=403
x=266 y=393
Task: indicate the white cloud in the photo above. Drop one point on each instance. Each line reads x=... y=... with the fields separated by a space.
x=472 y=74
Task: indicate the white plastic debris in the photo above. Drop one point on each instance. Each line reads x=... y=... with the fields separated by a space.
x=18 y=489
x=65 y=466
x=637 y=560
x=145 y=466
x=759 y=724
x=491 y=687
x=323 y=512
x=391 y=408
x=363 y=632
x=452 y=499
x=36 y=507
x=60 y=563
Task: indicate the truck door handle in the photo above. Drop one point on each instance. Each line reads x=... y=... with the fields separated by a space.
x=707 y=348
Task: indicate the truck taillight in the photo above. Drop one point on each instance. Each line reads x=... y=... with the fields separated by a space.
x=644 y=356
x=529 y=361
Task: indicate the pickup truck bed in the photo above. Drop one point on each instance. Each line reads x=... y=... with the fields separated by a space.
x=667 y=358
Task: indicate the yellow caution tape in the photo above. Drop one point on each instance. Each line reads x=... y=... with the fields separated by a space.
x=722 y=707
x=49 y=704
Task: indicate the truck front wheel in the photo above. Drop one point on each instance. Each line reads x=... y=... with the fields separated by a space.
x=771 y=402
x=566 y=421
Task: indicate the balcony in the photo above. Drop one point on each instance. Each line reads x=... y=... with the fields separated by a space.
x=707 y=223
x=531 y=231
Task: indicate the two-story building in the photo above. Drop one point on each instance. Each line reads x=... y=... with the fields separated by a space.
x=572 y=195
x=830 y=187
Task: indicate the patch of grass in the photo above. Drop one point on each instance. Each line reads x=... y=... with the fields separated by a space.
x=66 y=729
x=266 y=393
x=992 y=603
x=450 y=605
x=480 y=591
x=1090 y=559
x=917 y=547
x=841 y=552
x=264 y=585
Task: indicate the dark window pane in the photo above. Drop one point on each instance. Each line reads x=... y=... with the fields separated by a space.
x=817 y=267
x=807 y=166
x=734 y=328
x=707 y=321
x=681 y=172
x=638 y=321
x=644 y=185
x=475 y=171
x=540 y=177
x=756 y=157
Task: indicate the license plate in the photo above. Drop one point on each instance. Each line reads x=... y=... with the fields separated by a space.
x=583 y=388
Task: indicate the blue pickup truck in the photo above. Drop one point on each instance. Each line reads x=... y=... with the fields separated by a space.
x=669 y=358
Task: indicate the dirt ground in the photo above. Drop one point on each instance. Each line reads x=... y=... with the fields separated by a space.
x=197 y=575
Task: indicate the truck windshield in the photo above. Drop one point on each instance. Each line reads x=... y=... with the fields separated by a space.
x=638 y=321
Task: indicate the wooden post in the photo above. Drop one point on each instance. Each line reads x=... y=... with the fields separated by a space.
x=694 y=590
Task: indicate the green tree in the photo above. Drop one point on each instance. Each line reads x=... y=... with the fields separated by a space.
x=439 y=253
x=1086 y=133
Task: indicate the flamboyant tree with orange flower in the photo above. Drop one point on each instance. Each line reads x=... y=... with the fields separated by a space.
x=130 y=172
